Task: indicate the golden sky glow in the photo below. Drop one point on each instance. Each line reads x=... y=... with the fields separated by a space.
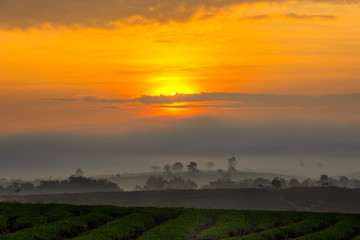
x=285 y=47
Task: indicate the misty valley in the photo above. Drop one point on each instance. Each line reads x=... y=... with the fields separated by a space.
x=180 y=120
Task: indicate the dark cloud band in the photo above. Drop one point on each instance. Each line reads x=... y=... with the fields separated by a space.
x=97 y=13
x=239 y=99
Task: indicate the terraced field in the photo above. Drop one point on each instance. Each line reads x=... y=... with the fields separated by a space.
x=60 y=221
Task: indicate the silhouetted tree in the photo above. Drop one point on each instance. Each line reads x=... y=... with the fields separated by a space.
x=260 y=181
x=232 y=164
x=176 y=183
x=167 y=168
x=27 y=187
x=344 y=181
x=155 y=183
x=192 y=167
x=324 y=180
x=293 y=182
x=178 y=167
x=283 y=182
x=77 y=184
x=78 y=173
x=224 y=182
x=333 y=181
x=247 y=182
x=190 y=184
x=15 y=187
x=276 y=183
x=307 y=182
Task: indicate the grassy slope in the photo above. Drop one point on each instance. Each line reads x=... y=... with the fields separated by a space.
x=59 y=221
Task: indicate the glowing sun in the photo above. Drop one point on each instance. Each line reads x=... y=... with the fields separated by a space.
x=172 y=85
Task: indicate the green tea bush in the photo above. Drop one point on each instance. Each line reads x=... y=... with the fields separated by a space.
x=291 y=230
x=3 y=224
x=342 y=230
x=61 y=221
x=305 y=226
x=130 y=226
x=229 y=223
x=38 y=214
x=265 y=220
x=179 y=228
x=68 y=228
x=57 y=214
x=26 y=222
x=76 y=210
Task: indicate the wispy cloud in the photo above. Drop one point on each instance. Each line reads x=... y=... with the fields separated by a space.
x=309 y=16
x=164 y=41
x=231 y=99
x=291 y=15
x=257 y=17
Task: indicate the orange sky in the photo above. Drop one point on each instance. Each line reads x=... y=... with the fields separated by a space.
x=285 y=47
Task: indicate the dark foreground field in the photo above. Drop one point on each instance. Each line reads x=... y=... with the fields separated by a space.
x=59 y=221
x=298 y=199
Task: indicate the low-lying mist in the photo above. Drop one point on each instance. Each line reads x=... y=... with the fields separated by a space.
x=299 y=149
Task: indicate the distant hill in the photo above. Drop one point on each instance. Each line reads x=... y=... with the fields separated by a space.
x=129 y=181
x=332 y=199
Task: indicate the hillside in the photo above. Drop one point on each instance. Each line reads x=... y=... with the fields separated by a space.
x=58 y=221
x=300 y=199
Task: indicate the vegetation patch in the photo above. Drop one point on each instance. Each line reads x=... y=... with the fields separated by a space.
x=60 y=221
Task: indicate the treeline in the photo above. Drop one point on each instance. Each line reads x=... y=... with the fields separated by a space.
x=192 y=167
x=158 y=183
x=323 y=181
x=177 y=167
x=227 y=182
x=74 y=184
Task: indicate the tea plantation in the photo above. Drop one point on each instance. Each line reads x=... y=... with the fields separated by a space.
x=59 y=221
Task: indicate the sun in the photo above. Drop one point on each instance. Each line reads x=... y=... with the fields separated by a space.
x=172 y=85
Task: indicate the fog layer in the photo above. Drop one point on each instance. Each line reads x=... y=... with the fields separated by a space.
x=301 y=149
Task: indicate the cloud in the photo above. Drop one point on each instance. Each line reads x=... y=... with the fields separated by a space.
x=72 y=99
x=110 y=108
x=103 y=100
x=231 y=99
x=309 y=16
x=88 y=99
x=289 y=15
x=257 y=17
x=104 y=14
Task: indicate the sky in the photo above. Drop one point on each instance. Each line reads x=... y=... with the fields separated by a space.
x=117 y=86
